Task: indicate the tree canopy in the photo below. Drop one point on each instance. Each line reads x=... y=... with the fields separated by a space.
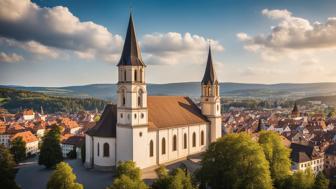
x=321 y=182
x=18 y=149
x=128 y=176
x=7 y=169
x=301 y=180
x=63 y=178
x=178 y=179
x=51 y=152
x=278 y=156
x=235 y=161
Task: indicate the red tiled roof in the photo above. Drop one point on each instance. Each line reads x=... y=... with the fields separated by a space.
x=27 y=136
x=173 y=111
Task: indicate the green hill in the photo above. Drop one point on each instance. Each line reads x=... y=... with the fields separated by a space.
x=14 y=100
x=329 y=100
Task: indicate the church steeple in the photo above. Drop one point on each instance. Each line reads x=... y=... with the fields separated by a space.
x=209 y=74
x=210 y=99
x=131 y=54
x=295 y=111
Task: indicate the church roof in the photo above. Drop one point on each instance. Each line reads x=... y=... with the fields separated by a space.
x=173 y=111
x=209 y=74
x=163 y=112
x=295 y=108
x=107 y=124
x=131 y=54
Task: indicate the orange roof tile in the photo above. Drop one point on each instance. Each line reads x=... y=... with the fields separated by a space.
x=27 y=136
x=173 y=111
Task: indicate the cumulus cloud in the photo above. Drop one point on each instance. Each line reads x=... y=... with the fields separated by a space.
x=291 y=36
x=8 y=58
x=42 y=28
x=172 y=48
x=55 y=31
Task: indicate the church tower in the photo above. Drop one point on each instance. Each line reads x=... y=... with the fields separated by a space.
x=132 y=113
x=210 y=99
x=295 y=111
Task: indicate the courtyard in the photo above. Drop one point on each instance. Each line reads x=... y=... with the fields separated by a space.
x=33 y=176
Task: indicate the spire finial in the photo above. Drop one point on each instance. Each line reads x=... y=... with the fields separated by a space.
x=131 y=9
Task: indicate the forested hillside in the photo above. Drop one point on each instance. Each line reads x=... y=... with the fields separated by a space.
x=14 y=100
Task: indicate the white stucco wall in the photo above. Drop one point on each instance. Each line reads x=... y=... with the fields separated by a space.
x=100 y=159
x=32 y=147
x=88 y=151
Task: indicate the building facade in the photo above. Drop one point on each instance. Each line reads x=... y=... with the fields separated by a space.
x=152 y=130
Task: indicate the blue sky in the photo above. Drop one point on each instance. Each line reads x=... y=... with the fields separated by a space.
x=60 y=43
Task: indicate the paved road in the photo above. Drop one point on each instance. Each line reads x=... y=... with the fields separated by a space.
x=33 y=176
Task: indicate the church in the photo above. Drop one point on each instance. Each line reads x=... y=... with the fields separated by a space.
x=152 y=130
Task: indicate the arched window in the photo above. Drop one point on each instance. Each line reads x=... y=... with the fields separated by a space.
x=98 y=149
x=194 y=139
x=125 y=79
x=151 y=149
x=217 y=94
x=202 y=137
x=163 y=143
x=185 y=141
x=174 y=143
x=135 y=75
x=106 y=150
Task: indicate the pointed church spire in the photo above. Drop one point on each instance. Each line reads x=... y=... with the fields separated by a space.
x=131 y=54
x=295 y=108
x=210 y=74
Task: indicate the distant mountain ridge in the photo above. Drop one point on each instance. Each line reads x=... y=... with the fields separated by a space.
x=192 y=89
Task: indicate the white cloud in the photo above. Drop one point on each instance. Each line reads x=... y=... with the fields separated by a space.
x=13 y=57
x=54 y=32
x=293 y=37
x=42 y=28
x=173 y=48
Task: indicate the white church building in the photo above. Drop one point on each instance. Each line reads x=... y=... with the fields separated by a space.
x=152 y=130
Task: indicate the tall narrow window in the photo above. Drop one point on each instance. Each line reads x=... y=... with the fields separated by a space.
x=123 y=97
x=174 y=143
x=98 y=149
x=140 y=94
x=194 y=139
x=141 y=75
x=217 y=90
x=163 y=143
x=125 y=79
x=106 y=150
x=135 y=75
x=185 y=141
x=151 y=149
x=202 y=137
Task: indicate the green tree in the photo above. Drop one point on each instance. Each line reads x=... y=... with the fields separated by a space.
x=7 y=169
x=178 y=179
x=277 y=154
x=51 y=152
x=321 y=182
x=235 y=161
x=18 y=149
x=301 y=180
x=63 y=178
x=128 y=176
